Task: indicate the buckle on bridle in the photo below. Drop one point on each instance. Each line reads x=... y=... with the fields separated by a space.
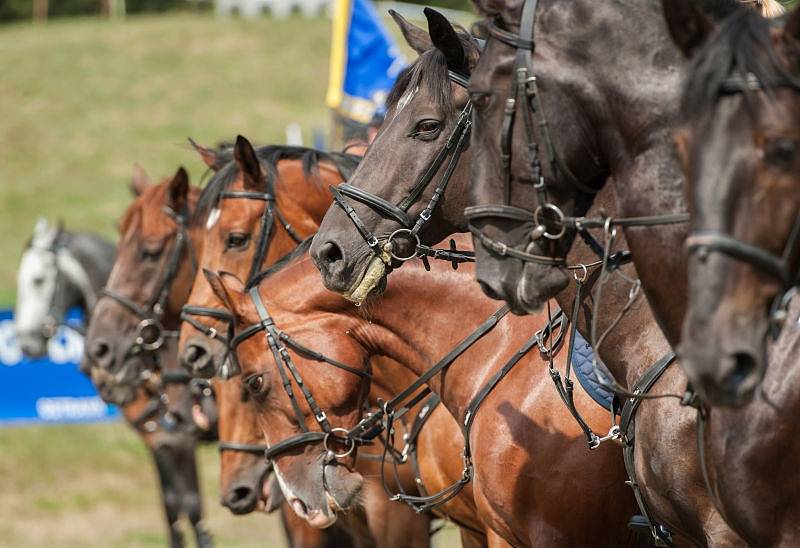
x=149 y=335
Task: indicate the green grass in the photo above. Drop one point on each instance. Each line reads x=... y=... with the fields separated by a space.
x=82 y=99
x=94 y=486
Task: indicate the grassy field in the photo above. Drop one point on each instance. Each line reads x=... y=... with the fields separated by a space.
x=82 y=99
x=94 y=487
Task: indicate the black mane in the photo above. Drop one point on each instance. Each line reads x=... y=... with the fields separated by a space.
x=742 y=45
x=269 y=157
x=298 y=251
x=433 y=65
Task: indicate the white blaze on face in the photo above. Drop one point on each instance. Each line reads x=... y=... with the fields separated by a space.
x=213 y=217
x=404 y=101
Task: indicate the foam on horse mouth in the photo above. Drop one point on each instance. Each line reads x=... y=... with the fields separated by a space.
x=374 y=273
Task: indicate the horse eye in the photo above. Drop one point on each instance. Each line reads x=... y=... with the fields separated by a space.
x=255 y=385
x=38 y=281
x=236 y=240
x=427 y=130
x=151 y=254
x=781 y=153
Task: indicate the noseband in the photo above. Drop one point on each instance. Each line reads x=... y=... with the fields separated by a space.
x=190 y=312
x=783 y=267
x=547 y=221
x=150 y=333
x=277 y=342
x=456 y=144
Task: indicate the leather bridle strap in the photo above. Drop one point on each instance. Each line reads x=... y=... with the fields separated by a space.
x=252 y=448
x=727 y=245
x=277 y=341
x=188 y=311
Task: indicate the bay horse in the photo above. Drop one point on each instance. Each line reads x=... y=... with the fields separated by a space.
x=58 y=270
x=531 y=463
x=669 y=475
x=259 y=204
x=122 y=370
x=239 y=240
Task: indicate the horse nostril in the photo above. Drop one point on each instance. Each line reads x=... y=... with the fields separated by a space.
x=101 y=353
x=744 y=364
x=331 y=253
x=197 y=360
x=241 y=499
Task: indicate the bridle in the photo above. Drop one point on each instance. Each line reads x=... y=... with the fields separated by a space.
x=784 y=267
x=190 y=313
x=456 y=144
x=150 y=332
x=277 y=343
x=548 y=221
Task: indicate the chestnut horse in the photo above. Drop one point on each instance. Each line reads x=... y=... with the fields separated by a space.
x=535 y=482
x=668 y=474
x=237 y=238
x=127 y=378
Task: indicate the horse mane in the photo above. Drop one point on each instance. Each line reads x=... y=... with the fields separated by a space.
x=281 y=263
x=741 y=44
x=433 y=64
x=269 y=156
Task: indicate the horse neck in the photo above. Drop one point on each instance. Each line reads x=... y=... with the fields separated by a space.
x=421 y=317
x=633 y=100
x=96 y=257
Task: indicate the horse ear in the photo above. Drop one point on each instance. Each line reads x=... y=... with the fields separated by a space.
x=41 y=227
x=229 y=289
x=211 y=158
x=140 y=180
x=245 y=156
x=688 y=25
x=179 y=190
x=417 y=38
x=446 y=40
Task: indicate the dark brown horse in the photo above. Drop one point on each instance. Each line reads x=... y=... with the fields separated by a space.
x=647 y=183
x=131 y=379
x=668 y=472
x=744 y=249
x=535 y=480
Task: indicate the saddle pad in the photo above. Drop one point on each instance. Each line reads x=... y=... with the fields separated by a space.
x=582 y=356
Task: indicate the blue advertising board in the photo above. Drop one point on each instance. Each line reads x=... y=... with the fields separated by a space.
x=50 y=389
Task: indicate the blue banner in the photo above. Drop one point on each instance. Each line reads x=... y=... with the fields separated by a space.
x=50 y=389
x=365 y=61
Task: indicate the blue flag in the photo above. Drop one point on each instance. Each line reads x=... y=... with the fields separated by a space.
x=365 y=61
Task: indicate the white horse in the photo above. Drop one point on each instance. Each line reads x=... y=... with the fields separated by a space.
x=58 y=270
